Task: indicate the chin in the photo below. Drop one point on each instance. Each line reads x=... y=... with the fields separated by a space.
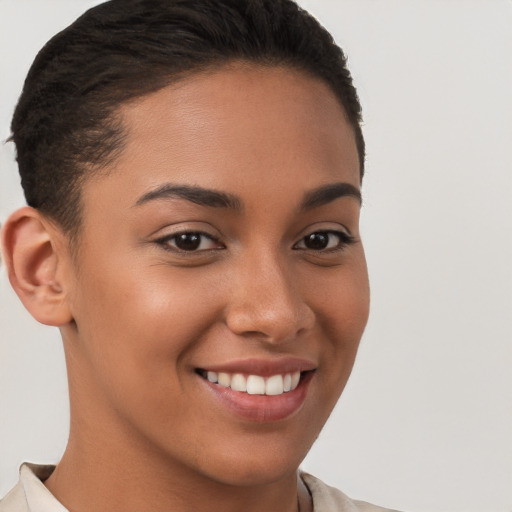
x=249 y=475
x=254 y=466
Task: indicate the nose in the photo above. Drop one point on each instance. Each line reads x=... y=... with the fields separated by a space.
x=266 y=302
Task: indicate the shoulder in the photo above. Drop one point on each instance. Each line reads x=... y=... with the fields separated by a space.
x=30 y=494
x=329 y=499
x=14 y=501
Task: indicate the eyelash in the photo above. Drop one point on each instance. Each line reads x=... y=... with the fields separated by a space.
x=344 y=240
x=166 y=241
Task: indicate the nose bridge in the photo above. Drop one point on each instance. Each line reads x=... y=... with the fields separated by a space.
x=266 y=300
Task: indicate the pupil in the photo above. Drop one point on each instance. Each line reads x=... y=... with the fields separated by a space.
x=188 y=241
x=317 y=241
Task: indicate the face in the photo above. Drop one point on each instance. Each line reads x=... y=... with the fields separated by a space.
x=220 y=290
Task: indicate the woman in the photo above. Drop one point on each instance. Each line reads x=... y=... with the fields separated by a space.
x=193 y=172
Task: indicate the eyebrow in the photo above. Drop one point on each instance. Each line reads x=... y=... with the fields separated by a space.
x=195 y=194
x=213 y=198
x=328 y=193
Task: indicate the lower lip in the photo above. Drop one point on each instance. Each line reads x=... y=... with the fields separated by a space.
x=262 y=408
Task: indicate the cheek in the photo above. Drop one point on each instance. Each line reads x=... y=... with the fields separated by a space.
x=341 y=297
x=342 y=308
x=134 y=335
x=135 y=324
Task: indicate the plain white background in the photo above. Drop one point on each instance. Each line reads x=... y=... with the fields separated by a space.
x=425 y=423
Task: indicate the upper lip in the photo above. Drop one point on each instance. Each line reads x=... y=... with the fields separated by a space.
x=263 y=367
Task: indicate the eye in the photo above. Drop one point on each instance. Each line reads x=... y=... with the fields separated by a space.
x=189 y=241
x=324 y=241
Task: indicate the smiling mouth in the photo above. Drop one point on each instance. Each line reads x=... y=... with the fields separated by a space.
x=273 y=385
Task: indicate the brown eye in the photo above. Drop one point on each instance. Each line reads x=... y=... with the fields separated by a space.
x=324 y=241
x=189 y=241
x=317 y=241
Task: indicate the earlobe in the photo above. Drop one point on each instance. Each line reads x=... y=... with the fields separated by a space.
x=32 y=259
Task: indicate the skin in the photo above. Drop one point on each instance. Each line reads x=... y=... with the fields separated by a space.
x=138 y=316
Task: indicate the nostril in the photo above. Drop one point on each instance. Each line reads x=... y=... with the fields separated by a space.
x=274 y=328
x=266 y=304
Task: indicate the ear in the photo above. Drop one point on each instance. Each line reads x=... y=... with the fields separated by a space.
x=32 y=254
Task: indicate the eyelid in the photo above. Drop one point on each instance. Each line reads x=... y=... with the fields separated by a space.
x=344 y=236
x=165 y=241
x=325 y=226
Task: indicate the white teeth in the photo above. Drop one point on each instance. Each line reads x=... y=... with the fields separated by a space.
x=239 y=382
x=255 y=384
x=287 y=383
x=224 y=379
x=295 y=379
x=274 y=385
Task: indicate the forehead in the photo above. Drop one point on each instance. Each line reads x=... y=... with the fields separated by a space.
x=237 y=127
